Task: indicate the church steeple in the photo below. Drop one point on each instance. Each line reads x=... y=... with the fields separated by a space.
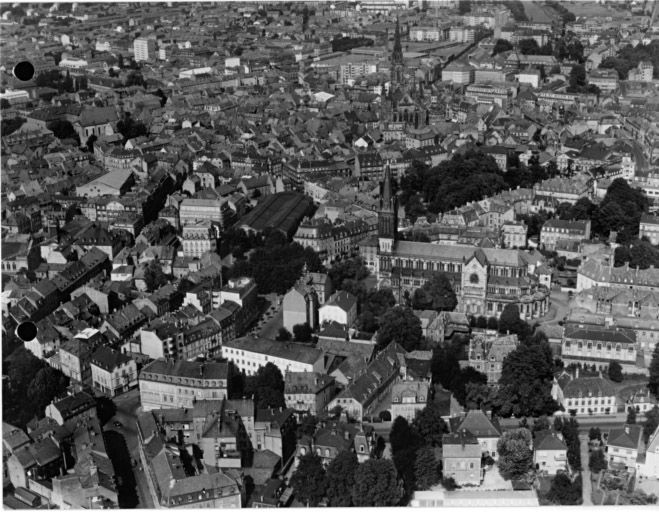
x=387 y=219
x=397 y=63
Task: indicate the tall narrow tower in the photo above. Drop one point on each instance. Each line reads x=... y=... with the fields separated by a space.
x=397 y=63
x=387 y=221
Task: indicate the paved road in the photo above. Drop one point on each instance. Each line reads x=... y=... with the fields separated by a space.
x=271 y=328
x=603 y=422
x=128 y=408
x=585 y=476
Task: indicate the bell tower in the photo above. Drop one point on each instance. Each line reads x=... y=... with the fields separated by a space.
x=397 y=63
x=387 y=221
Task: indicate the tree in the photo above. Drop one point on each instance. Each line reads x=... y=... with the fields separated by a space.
x=154 y=277
x=426 y=470
x=302 y=332
x=307 y=427
x=283 y=334
x=569 y=427
x=528 y=47
x=402 y=435
x=400 y=325
x=478 y=395
x=449 y=483
x=526 y=380
x=63 y=130
x=653 y=382
x=130 y=129
x=565 y=492
x=493 y=323
x=267 y=386
x=4 y=104
x=615 y=371
x=501 y=46
x=540 y=424
x=515 y=454
x=430 y=425
x=90 y=143
x=48 y=384
x=511 y=323
x=651 y=423
x=465 y=379
x=597 y=461
x=577 y=76
x=631 y=416
x=464 y=6
x=105 y=409
x=309 y=480
x=436 y=293
x=377 y=484
x=340 y=477
x=594 y=434
x=481 y=322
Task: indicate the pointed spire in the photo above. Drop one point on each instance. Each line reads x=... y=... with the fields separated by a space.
x=387 y=189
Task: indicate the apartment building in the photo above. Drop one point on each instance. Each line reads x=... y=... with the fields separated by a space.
x=113 y=373
x=178 y=383
x=555 y=230
x=144 y=49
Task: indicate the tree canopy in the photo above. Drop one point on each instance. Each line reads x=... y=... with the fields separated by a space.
x=436 y=293
x=340 y=479
x=377 y=484
x=309 y=480
x=653 y=382
x=526 y=379
x=267 y=386
x=402 y=326
x=515 y=454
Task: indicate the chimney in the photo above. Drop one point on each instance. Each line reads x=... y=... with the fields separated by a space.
x=626 y=429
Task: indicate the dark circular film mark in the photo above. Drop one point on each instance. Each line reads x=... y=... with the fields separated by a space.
x=26 y=331
x=24 y=71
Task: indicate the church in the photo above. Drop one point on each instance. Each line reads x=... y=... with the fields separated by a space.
x=404 y=107
x=484 y=280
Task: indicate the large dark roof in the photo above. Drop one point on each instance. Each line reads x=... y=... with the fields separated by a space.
x=282 y=211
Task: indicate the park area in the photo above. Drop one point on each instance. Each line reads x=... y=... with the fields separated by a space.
x=592 y=9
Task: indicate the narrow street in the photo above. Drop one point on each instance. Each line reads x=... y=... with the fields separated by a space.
x=128 y=408
x=585 y=475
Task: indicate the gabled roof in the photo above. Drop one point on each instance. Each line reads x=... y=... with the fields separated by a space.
x=478 y=424
x=629 y=436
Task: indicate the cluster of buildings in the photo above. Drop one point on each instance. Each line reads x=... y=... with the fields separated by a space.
x=273 y=118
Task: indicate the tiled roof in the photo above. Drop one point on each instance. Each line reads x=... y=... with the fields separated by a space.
x=629 y=436
x=549 y=440
x=478 y=424
x=108 y=358
x=187 y=369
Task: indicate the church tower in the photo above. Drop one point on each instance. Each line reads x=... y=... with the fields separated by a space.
x=387 y=221
x=397 y=63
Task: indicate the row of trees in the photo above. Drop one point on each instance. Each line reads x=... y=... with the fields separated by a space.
x=346 y=482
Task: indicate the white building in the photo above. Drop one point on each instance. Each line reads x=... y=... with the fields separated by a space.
x=340 y=308
x=170 y=383
x=113 y=373
x=249 y=354
x=144 y=49
x=649 y=467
